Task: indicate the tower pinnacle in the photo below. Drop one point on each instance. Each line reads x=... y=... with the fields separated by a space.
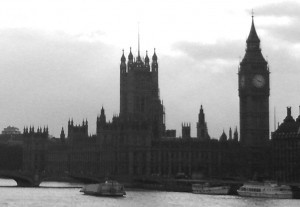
x=123 y=59
x=253 y=51
x=253 y=37
x=138 y=39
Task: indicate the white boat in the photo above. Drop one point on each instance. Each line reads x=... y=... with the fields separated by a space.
x=211 y=190
x=109 y=188
x=265 y=190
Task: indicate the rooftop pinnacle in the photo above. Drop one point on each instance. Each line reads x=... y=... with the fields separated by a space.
x=253 y=37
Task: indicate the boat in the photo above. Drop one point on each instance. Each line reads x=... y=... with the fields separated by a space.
x=207 y=188
x=265 y=190
x=108 y=188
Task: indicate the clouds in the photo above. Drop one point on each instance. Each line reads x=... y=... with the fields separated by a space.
x=285 y=8
x=49 y=77
x=225 y=50
x=289 y=31
x=215 y=65
x=186 y=83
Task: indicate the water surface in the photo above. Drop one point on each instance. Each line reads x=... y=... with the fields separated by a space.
x=61 y=194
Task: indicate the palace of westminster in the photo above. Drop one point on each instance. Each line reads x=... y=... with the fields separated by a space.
x=136 y=143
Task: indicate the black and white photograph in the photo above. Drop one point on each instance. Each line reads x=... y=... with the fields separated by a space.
x=161 y=103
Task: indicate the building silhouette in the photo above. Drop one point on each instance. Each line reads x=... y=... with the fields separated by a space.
x=202 y=132
x=286 y=149
x=136 y=144
x=139 y=93
x=254 y=91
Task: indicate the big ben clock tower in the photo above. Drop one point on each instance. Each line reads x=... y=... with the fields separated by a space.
x=254 y=92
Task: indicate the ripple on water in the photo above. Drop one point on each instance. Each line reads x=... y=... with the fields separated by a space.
x=65 y=194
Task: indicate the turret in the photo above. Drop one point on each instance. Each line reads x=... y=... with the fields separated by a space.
x=186 y=130
x=202 y=132
x=230 y=134
x=130 y=59
x=46 y=131
x=289 y=117
x=154 y=62
x=102 y=116
x=62 y=135
x=25 y=130
x=123 y=64
x=101 y=120
x=147 y=65
x=235 y=135
x=223 y=137
x=201 y=116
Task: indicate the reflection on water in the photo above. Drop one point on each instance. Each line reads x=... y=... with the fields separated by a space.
x=67 y=194
x=60 y=185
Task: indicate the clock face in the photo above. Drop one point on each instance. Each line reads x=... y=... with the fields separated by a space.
x=242 y=81
x=258 y=81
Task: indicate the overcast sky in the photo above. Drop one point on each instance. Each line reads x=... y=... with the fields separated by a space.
x=60 y=59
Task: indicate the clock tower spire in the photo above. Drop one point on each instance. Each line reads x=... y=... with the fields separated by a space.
x=254 y=92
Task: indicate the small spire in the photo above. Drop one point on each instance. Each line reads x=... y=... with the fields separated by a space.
x=223 y=136
x=154 y=57
x=147 y=58
x=130 y=56
x=230 y=134
x=253 y=37
x=123 y=59
x=138 y=39
x=289 y=109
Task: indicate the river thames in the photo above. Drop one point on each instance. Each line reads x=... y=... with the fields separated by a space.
x=60 y=194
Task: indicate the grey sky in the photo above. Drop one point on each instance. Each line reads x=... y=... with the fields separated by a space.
x=50 y=74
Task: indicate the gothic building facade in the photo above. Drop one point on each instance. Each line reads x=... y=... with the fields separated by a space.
x=202 y=132
x=139 y=93
x=286 y=150
x=254 y=91
x=136 y=142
